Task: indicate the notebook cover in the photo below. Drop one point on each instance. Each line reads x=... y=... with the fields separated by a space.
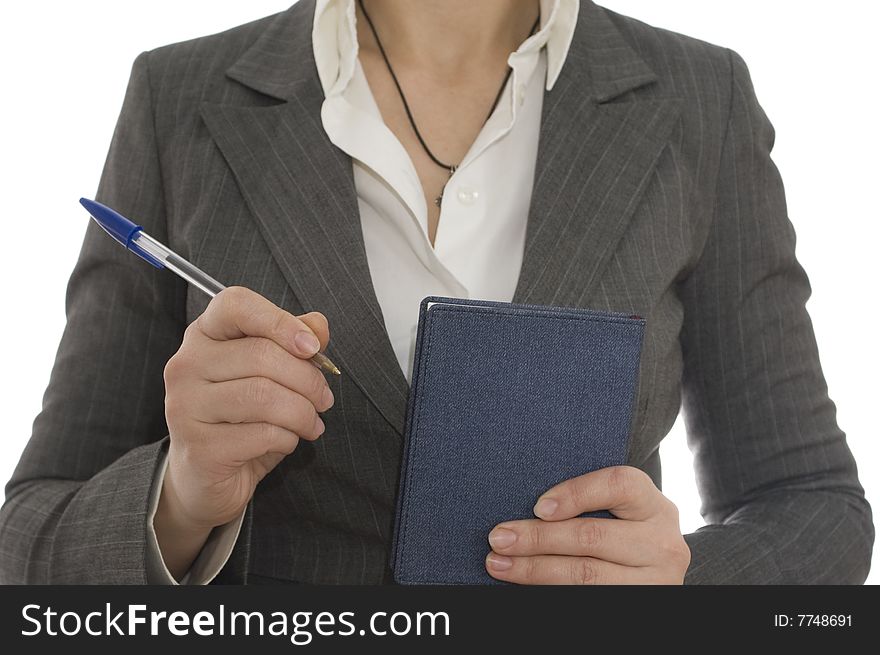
x=506 y=401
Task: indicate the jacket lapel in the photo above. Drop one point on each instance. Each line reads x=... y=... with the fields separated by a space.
x=595 y=158
x=300 y=189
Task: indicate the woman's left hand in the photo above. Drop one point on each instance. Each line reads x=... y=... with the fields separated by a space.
x=643 y=545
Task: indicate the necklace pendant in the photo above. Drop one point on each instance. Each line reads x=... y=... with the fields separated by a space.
x=439 y=199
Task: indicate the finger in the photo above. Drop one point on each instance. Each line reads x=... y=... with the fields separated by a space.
x=237 y=312
x=624 y=542
x=626 y=492
x=234 y=444
x=259 y=357
x=256 y=400
x=562 y=570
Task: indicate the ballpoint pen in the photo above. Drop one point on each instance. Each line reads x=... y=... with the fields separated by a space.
x=134 y=238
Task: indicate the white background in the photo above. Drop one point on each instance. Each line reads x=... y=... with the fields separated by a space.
x=814 y=66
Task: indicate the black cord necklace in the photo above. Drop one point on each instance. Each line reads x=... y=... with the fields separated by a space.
x=449 y=167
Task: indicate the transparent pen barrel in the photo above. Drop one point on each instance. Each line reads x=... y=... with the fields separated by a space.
x=178 y=264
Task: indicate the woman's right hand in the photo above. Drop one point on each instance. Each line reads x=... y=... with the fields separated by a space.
x=240 y=393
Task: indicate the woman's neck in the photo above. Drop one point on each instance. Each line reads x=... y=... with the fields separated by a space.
x=446 y=36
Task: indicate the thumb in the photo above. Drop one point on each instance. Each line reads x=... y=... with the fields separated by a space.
x=317 y=323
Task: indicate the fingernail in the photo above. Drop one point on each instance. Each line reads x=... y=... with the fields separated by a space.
x=499 y=562
x=502 y=538
x=545 y=508
x=307 y=343
x=319 y=425
x=327 y=398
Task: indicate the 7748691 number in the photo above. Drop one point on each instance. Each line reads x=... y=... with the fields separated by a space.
x=813 y=620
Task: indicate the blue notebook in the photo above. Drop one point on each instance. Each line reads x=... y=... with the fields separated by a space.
x=506 y=401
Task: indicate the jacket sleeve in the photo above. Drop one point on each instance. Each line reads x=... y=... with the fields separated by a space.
x=779 y=486
x=76 y=506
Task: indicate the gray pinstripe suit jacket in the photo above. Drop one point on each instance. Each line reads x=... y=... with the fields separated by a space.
x=654 y=194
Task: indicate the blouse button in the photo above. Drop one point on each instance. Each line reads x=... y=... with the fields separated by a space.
x=467 y=195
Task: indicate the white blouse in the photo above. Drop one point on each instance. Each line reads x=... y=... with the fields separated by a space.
x=479 y=243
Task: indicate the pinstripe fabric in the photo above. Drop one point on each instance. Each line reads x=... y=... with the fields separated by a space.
x=654 y=194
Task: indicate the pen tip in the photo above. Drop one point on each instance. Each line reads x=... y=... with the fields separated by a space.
x=336 y=371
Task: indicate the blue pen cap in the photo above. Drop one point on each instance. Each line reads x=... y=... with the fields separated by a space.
x=119 y=227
